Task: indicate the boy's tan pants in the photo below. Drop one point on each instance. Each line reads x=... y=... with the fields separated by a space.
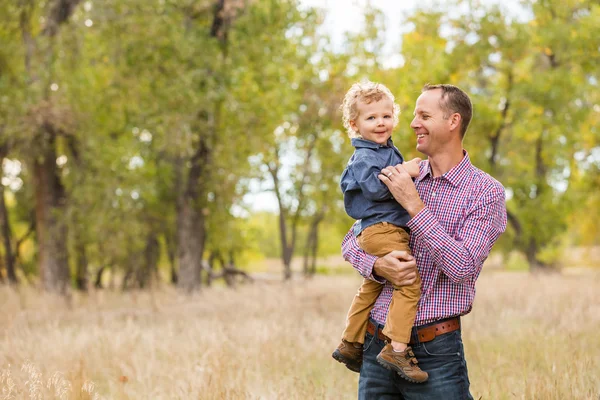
x=379 y=240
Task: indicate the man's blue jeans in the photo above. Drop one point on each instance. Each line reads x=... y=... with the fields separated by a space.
x=443 y=359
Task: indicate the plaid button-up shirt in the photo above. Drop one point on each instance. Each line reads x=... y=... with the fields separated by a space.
x=464 y=214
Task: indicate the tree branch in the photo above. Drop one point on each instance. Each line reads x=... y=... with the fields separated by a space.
x=59 y=13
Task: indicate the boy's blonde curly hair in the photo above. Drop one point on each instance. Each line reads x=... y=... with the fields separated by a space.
x=366 y=91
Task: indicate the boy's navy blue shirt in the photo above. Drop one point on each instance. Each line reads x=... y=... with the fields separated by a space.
x=366 y=198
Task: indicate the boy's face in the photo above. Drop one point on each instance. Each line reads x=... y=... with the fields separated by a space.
x=375 y=120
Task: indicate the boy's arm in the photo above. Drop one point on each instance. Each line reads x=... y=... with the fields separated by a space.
x=366 y=175
x=412 y=167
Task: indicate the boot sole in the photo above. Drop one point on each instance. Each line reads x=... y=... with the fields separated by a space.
x=393 y=367
x=339 y=357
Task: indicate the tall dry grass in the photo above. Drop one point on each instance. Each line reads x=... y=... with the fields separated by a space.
x=529 y=337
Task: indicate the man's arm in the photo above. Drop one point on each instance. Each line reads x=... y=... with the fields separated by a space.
x=397 y=267
x=361 y=261
x=461 y=257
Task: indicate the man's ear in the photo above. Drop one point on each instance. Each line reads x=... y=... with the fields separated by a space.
x=455 y=120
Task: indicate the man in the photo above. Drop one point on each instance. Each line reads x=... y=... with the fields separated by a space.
x=457 y=213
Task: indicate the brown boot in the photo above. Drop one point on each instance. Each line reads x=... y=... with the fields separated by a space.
x=404 y=363
x=350 y=354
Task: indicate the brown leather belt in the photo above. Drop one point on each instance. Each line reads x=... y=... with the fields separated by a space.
x=426 y=334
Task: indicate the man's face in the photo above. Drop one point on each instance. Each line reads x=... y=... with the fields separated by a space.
x=432 y=130
x=375 y=120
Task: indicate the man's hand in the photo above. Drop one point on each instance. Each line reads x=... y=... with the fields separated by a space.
x=398 y=267
x=402 y=188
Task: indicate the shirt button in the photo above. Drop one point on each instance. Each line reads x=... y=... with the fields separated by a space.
x=433 y=194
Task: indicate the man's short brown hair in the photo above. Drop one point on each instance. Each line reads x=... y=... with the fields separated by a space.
x=454 y=100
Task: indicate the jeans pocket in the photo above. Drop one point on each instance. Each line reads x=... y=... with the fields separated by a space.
x=449 y=344
x=368 y=341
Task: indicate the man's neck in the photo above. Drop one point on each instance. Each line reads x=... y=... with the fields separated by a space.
x=442 y=163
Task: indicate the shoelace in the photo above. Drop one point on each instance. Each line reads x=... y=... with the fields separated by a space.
x=410 y=356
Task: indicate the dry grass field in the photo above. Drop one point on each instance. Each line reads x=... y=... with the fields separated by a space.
x=529 y=337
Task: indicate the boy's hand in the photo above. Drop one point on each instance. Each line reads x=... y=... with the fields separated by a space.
x=412 y=167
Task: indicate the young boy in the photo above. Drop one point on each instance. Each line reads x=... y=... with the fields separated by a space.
x=370 y=115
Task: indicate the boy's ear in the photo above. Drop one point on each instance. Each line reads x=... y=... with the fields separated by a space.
x=353 y=125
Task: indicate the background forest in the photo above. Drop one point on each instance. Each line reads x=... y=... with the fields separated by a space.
x=171 y=144
x=132 y=131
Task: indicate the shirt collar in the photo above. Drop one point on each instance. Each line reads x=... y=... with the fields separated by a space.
x=358 y=143
x=455 y=176
x=425 y=170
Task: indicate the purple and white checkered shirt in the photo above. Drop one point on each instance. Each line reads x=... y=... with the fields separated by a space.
x=464 y=214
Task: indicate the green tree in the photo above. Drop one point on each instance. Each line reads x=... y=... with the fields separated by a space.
x=531 y=84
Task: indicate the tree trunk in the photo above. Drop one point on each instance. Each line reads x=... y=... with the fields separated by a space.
x=307 y=252
x=286 y=249
x=312 y=244
x=191 y=229
x=227 y=269
x=288 y=246
x=314 y=250
x=112 y=283
x=132 y=263
x=50 y=222
x=98 y=280
x=211 y=268
x=540 y=174
x=58 y=14
x=310 y=250
x=81 y=277
x=147 y=273
x=7 y=239
x=495 y=138
x=287 y=263
x=535 y=265
x=129 y=272
x=171 y=250
x=50 y=198
x=190 y=232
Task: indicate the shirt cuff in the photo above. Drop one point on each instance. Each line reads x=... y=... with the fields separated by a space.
x=422 y=223
x=367 y=270
x=367 y=267
x=358 y=258
x=376 y=278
